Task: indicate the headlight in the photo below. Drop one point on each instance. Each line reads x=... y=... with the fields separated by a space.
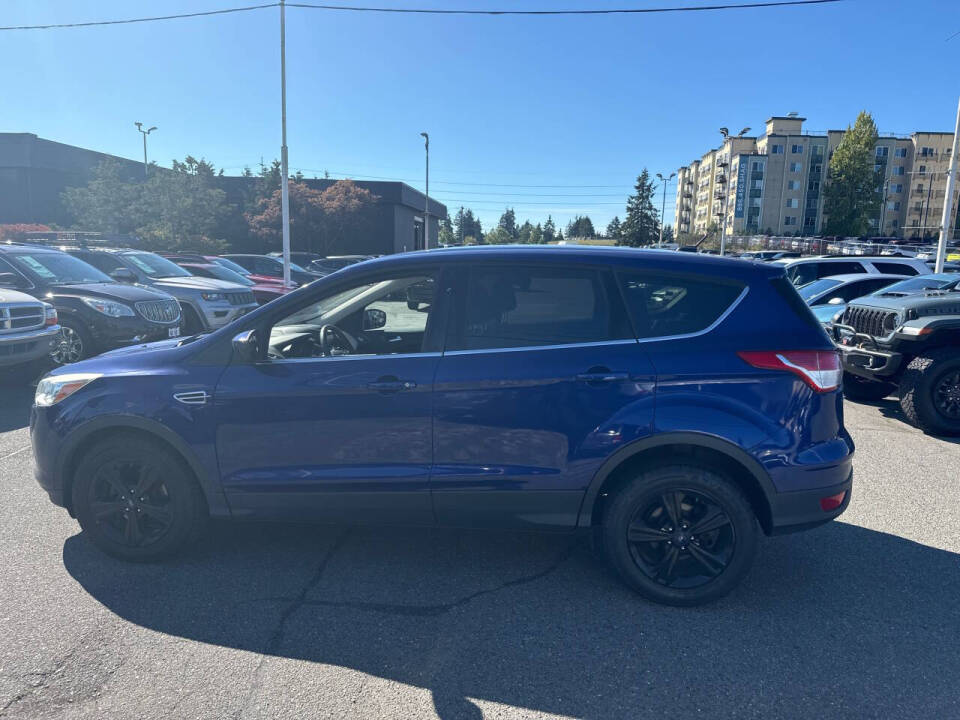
x=55 y=388
x=891 y=322
x=211 y=296
x=108 y=307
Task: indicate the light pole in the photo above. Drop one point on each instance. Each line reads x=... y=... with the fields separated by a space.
x=284 y=167
x=426 y=196
x=663 y=205
x=947 y=219
x=723 y=205
x=144 y=133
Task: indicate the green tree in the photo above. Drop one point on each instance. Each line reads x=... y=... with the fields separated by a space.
x=466 y=225
x=580 y=226
x=852 y=194
x=641 y=225
x=667 y=234
x=549 y=230
x=523 y=236
x=613 y=228
x=498 y=236
x=446 y=236
x=508 y=222
x=109 y=202
x=536 y=235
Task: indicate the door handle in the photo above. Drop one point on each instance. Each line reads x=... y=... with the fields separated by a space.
x=604 y=376
x=391 y=385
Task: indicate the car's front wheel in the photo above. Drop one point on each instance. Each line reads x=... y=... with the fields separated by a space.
x=680 y=534
x=72 y=344
x=135 y=500
x=930 y=392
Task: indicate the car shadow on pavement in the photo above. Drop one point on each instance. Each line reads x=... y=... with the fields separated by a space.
x=15 y=402
x=890 y=408
x=840 y=621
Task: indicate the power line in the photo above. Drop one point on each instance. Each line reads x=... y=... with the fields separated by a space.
x=429 y=11
x=609 y=11
x=129 y=21
x=464 y=184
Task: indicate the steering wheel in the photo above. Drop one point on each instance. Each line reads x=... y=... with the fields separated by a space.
x=334 y=341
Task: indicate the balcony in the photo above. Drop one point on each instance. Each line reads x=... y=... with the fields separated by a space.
x=721 y=178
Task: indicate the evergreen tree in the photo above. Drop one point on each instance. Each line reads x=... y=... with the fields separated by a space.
x=580 y=226
x=613 y=228
x=852 y=194
x=508 y=222
x=446 y=236
x=549 y=230
x=536 y=235
x=641 y=225
x=526 y=229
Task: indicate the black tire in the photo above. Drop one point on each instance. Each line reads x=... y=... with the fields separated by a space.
x=74 y=343
x=168 y=515
x=643 y=508
x=191 y=322
x=926 y=389
x=860 y=389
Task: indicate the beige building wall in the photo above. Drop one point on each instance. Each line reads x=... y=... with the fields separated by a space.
x=927 y=183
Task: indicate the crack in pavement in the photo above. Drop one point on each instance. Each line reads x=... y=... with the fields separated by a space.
x=426 y=610
x=294 y=604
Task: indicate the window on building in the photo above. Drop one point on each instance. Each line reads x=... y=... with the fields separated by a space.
x=919 y=187
x=790 y=220
x=899 y=170
x=793 y=185
x=793 y=202
x=795 y=167
x=900 y=152
x=893 y=205
x=927 y=151
x=882 y=151
x=877 y=167
x=896 y=188
x=758 y=184
x=809 y=222
x=776 y=149
x=813 y=186
x=796 y=149
x=757 y=166
x=922 y=169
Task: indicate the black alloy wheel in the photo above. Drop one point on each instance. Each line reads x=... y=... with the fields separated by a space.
x=137 y=500
x=946 y=395
x=680 y=534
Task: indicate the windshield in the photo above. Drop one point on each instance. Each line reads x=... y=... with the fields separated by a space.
x=912 y=285
x=58 y=268
x=155 y=266
x=231 y=265
x=811 y=290
x=222 y=273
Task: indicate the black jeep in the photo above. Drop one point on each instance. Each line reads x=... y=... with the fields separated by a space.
x=908 y=343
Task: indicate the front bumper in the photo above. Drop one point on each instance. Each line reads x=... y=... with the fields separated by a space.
x=802 y=509
x=111 y=333
x=216 y=315
x=28 y=346
x=870 y=364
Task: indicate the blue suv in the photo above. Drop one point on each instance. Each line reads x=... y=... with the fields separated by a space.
x=676 y=405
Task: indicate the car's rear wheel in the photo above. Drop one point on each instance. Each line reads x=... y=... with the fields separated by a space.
x=72 y=344
x=862 y=390
x=136 y=500
x=680 y=534
x=930 y=392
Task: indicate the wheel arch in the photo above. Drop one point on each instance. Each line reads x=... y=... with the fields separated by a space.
x=708 y=450
x=99 y=429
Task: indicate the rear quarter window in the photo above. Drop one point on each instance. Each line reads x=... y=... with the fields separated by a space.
x=663 y=306
x=894 y=268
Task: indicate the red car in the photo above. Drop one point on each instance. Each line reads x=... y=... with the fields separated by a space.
x=241 y=270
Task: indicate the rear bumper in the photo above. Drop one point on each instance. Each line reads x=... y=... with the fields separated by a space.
x=802 y=510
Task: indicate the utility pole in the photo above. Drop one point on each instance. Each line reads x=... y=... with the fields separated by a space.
x=883 y=207
x=144 y=133
x=663 y=205
x=946 y=221
x=284 y=179
x=426 y=196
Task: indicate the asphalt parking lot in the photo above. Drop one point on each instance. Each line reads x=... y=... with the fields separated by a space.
x=856 y=619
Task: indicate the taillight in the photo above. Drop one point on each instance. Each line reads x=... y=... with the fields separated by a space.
x=820 y=369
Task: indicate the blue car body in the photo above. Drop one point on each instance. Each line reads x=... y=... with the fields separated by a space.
x=520 y=437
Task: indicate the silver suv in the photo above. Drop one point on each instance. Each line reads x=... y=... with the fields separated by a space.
x=207 y=304
x=28 y=328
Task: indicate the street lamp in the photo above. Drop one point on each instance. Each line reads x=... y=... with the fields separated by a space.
x=663 y=206
x=426 y=196
x=723 y=205
x=144 y=133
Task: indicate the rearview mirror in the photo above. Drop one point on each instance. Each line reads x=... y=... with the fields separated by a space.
x=124 y=275
x=374 y=319
x=246 y=346
x=11 y=280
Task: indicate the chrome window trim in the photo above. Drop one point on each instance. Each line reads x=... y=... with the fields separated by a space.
x=564 y=346
x=351 y=357
x=712 y=326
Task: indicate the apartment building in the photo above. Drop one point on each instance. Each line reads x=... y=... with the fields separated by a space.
x=775 y=182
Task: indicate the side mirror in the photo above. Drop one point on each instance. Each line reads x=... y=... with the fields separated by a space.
x=246 y=346
x=11 y=280
x=374 y=319
x=124 y=275
x=835 y=301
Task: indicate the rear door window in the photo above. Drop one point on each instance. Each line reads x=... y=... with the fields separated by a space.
x=895 y=268
x=663 y=306
x=508 y=307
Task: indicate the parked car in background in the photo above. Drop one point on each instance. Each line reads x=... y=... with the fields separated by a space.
x=272 y=267
x=332 y=263
x=801 y=271
x=768 y=255
x=300 y=258
x=28 y=327
x=263 y=292
x=206 y=304
x=832 y=313
x=949 y=266
x=841 y=289
x=240 y=270
x=95 y=313
x=487 y=387
x=909 y=344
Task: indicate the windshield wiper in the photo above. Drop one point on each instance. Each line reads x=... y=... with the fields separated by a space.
x=190 y=338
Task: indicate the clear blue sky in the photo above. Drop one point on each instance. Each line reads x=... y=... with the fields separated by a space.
x=521 y=101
